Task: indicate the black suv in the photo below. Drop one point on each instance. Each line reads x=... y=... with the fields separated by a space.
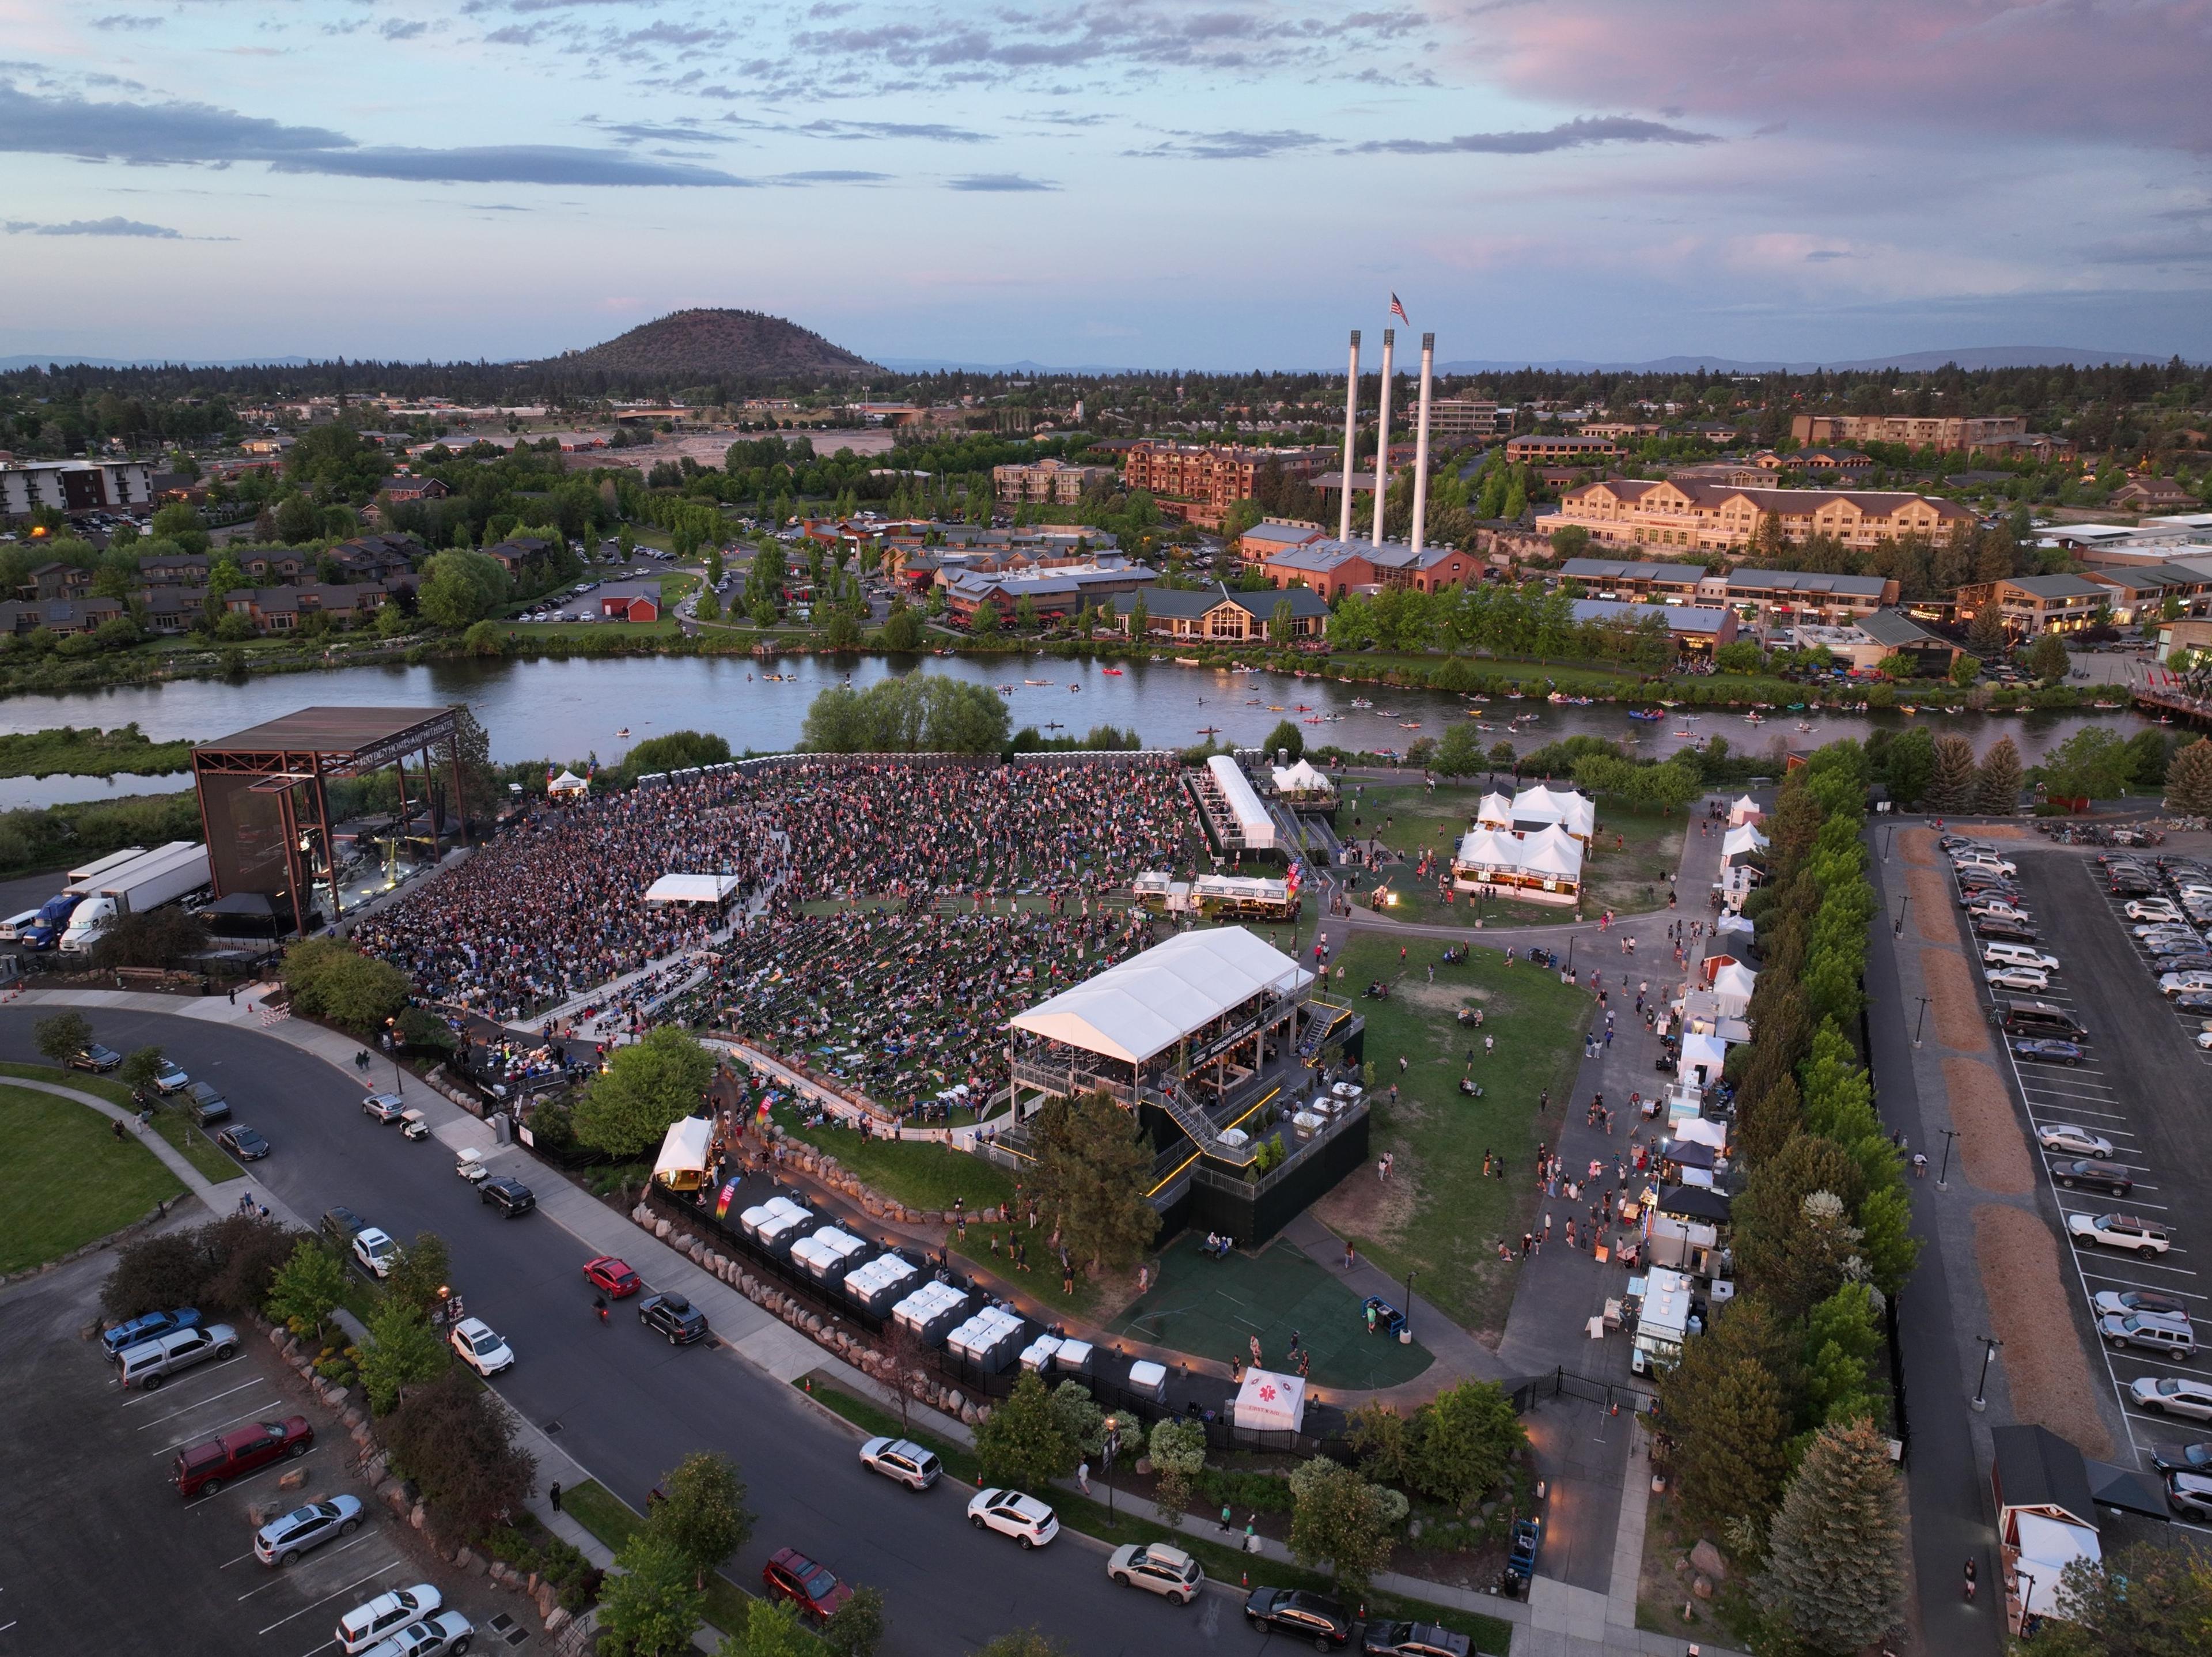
x=510 y=1196
x=207 y=1105
x=675 y=1317
x=1301 y=1615
x=341 y=1225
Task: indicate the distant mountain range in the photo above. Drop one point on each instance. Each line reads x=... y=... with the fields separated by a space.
x=1975 y=356
x=948 y=365
x=710 y=345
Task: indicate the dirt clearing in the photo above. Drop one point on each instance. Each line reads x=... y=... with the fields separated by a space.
x=1990 y=1139
x=2046 y=1372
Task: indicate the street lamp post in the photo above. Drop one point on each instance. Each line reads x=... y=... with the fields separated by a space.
x=1990 y=1345
x=1942 y=1175
x=1921 y=1023
x=1411 y=1273
x=1897 y=931
x=1571 y=954
x=1886 y=841
x=1106 y=1459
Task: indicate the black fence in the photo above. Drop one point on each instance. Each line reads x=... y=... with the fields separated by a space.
x=1564 y=1383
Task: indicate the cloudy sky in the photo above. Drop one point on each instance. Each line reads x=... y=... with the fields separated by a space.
x=1206 y=183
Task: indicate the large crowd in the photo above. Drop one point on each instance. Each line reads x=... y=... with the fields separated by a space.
x=890 y=916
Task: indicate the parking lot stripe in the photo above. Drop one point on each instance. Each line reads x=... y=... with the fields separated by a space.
x=387 y=1567
x=2150 y=1265
x=218 y=1427
x=279 y=1576
x=2130 y=1282
x=2129 y=1355
x=145 y=1397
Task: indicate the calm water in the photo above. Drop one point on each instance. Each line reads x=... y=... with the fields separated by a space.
x=572 y=710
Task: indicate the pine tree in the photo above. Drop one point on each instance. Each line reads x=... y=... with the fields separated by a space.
x=2048 y=659
x=1997 y=790
x=1985 y=634
x=1951 y=789
x=2189 y=779
x=1836 y=1552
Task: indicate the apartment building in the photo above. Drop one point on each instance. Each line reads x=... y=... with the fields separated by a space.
x=1201 y=481
x=1048 y=483
x=1455 y=419
x=1561 y=451
x=1951 y=433
x=1723 y=517
x=73 y=486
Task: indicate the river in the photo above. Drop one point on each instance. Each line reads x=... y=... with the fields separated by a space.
x=573 y=710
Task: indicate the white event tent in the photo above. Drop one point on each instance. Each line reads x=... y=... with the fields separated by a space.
x=1268 y=1403
x=1732 y=988
x=1744 y=810
x=1544 y=866
x=1146 y=1004
x=1535 y=808
x=1702 y=1053
x=1255 y=829
x=1302 y=779
x=1496 y=811
x=567 y=782
x=692 y=889
x=1742 y=841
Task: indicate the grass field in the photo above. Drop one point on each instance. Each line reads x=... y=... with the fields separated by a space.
x=1214 y=1308
x=919 y=1174
x=66 y=1179
x=1437 y=1214
x=614 y=1521
x=170 y=1121
x=1625 y=872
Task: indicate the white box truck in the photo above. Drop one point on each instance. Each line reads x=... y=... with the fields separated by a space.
x=158 y=877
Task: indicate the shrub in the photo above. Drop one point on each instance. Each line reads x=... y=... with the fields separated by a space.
x=226 y=1265
x=457 y=1443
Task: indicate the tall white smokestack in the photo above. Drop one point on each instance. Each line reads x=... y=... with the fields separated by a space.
x=1350 y=435
x=1421 y=443
x=1382 y=442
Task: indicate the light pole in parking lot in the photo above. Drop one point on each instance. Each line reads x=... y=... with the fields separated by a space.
x=1886 y=841
x=1943 y=1174
x=1921 y=1023
x=1897 y=931
x=1989 y=1345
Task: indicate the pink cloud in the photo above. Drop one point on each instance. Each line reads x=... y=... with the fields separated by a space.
x=2118 y=70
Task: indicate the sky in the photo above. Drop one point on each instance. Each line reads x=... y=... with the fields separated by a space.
x=1213 y=184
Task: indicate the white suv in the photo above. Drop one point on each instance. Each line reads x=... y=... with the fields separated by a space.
x=1169 y=1572
x=2119 y=1231
x=375 y=1250
x=1010 y=1513
x=364 y=1625
x=2173 y=1396
x=448 y=1631
x=480 y=1349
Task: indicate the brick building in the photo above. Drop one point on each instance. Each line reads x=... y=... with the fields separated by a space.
x=1726 y=518
x=1201 y=481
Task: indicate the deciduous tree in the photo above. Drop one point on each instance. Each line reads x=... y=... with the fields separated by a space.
x=457 y=1443
x=306 y=1289
x=402 y=1351
x=61 y=1036
x=1092 y=1168
x=649 y=1606
x=1024 y=1445
x=647 y=1086
x=702 y=1515
x=1338 y=1520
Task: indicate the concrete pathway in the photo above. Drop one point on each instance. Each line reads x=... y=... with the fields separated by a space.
x=197 y=1183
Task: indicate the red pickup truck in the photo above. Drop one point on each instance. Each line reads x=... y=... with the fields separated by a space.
x=203 y=1468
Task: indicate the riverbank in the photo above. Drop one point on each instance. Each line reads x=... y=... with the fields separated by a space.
x=63 y=749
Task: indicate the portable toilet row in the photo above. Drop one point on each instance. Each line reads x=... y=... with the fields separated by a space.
x=828 y=1254
x=931 y=1311
x=1057 y=1355
x=873 y=1287
x=988 y=1339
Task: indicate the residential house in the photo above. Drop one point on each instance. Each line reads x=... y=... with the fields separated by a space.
x=2151 y=495
x=55 y=581
x=174 y=569
x=378 y=557
x=629 y=600
x=516 y=551
x=414 y=488
x=1215 y=615
x=277 y=566
x=62 y=615
x=169 y=609
x=282 y=609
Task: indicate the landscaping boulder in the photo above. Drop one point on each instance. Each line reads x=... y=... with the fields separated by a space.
x=1702 y=1586
x=556 y=1620
x=292 y=1478
x=1706 y=1559
x=661 y=1228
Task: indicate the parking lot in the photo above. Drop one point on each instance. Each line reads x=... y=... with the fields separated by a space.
x=117 y=1560
x=2141 y=1084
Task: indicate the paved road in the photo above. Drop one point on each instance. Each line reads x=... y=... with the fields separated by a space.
x=629 y=1407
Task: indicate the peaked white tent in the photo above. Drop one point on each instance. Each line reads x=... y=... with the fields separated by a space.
x=1496 y=811
x=1741 y=841
x=1555 y=852
x=1302 y=778
x=1713 y=1136
x=1486 y=848
x=1744 y=810
x=1534 y=808
x=1706 y=1052
x=1268 y=1403
x=567 y=782
x=1732 y=988
x=1147 y=1004
x=692 y=889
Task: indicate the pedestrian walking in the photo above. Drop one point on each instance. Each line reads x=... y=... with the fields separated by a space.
x=1528 y=1242
x=1348 y=1256
x=1228 y=1520
x=1489 y=1045
x=1144 y=1278
x=1083 y=1477
x=1919 y=1164
x=554 y=1496
x=1255 y=1350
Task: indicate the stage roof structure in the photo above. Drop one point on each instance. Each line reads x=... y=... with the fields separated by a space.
x=343 y=737
x=1147 y=1004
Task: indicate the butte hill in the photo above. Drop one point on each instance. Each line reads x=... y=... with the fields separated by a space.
x=715 y=344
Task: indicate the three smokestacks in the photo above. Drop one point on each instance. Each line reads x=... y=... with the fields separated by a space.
x=1383 y=440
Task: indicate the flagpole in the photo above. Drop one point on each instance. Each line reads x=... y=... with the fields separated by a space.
x=1383 y=442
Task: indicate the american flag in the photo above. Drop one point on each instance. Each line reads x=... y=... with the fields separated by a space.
x=1399 y=311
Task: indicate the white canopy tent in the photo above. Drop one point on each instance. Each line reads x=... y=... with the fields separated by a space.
x=1486 y=848
x=1536 y=808
x=1734 y=923
x=1268 y=1403
x=1496 y=811
x=683 y=1149
x=1302 y=778
x=1746 y=810
x=1741 y=841
x=692 y=889
x=1255 y=829
x=1732 y=988
x=1151 y=1000
x=2047 y=1546
x=1708 y=1052
x=1555 y=852
x=1700 y=1132
x=567 y=782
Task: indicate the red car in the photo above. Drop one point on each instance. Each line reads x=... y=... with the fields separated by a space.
x=612 y=1277
x=203 y=1468
x=792 y=1575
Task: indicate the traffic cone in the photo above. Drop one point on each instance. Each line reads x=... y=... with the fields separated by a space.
x=1246 y=1576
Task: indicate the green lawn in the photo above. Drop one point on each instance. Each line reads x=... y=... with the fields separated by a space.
x=170 y=1122
x=614 y=1521
x=919 y=1174
x=66 y=1179
x=1628 y=877
x=1437 y=1214
x=1212 y=1308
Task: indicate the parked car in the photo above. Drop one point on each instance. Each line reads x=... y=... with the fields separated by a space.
x=364 y=1625
x=2110 y=1177
x=1169 y=1572
x=2126 y=1231
x=282 y=1541
x=94 y=1056
x=376 y=1250
x=207 y=1105
x=510 y=1196
x=815 y=1589
x=146 y=1327
x=2170 y=1336
x=2183 y=1457
x=480 y=1349
x=2001 y=931
x=1302 y=1615
x=149 y=1363
x=2014 y=955
x=2176 y=983
x=903 y=1462
x=243 y=1142
x=204 y=1468
x=1010 y=1513
x=342 y=1226
x=170 y=1078
x=385 y=1108
x=413 y=1124
x=2190 y=1494
x=2142 y=1299
x=2018 y=978
x=446 y=1634
x=1413 y=1640
x=2045 y=1051
x=612 y=1278
x=2174 y=1395
x=673 y=1316
x=2152 y=909
x=2193 y=1001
